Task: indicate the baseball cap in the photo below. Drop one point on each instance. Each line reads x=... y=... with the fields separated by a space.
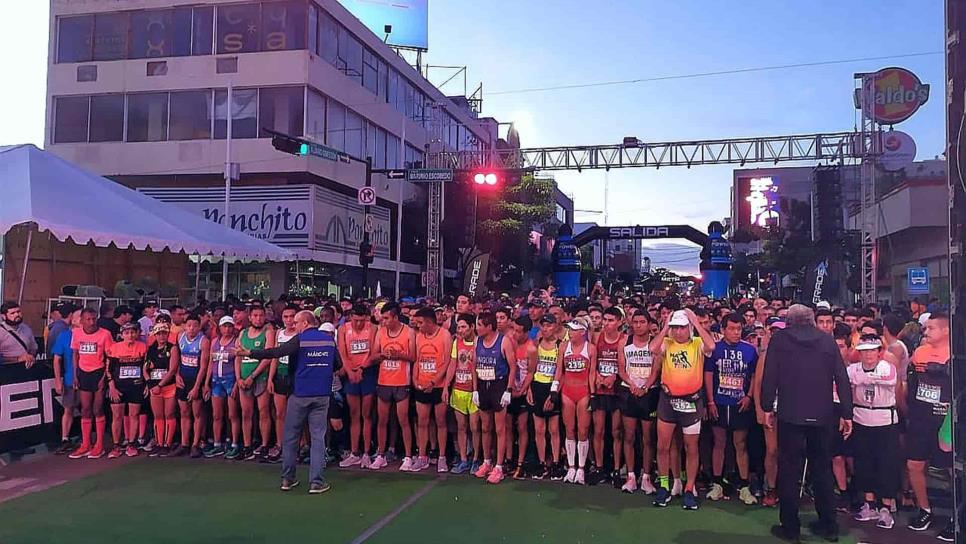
x=868 y=343
x=130 y=327
x=165 y=312
x=151 y=304
x=548 y=318
x=226 y=320
x=65 y=308
x=679 y=319
x=577 y=324
x=775 y=322
x=747 y=332
x=159 y=328
x=823 y=305
x=327 y=327
x=923 y=318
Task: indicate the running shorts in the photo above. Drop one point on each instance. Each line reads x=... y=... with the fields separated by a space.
x=392 y=393
x=189 y=383
x=491 y=392
x=518 y=405
x=731 y=419
x=462 y=402
x=643 y=407
x=432 y=398
x=365 y=387
x=89 y=381
x=283 y=385
x=540 y=392
x=685 y=412
x=607 y=403
x=221 y=386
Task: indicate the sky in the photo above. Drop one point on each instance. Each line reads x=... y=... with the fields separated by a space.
x=510 y=45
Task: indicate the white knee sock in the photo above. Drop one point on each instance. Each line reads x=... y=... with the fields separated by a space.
x=571 y=446
x=582 y=448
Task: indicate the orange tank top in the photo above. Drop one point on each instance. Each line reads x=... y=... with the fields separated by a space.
x=429 y=357
x=357 y=345
x=393 y=372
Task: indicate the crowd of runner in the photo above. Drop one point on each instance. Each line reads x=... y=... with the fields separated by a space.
x=648 y=394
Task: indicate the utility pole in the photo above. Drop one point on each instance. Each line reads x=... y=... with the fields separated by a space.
x=230 y=172
x=366 y=247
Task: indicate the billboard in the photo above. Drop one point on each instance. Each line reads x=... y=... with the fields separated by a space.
x=891 y=95
x=409 y=20
x=756 y=200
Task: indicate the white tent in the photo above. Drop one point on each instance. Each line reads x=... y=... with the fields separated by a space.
x=69 y=202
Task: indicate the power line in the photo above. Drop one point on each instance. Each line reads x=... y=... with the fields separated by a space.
x=714 y=73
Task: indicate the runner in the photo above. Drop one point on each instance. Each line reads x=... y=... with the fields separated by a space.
x=460 y=376
x=125 y=383
x=682 y=403
x=491 y=393
x=394 y=352
x=504 y=320
x=638 y=403
x=279 y=380
x=160 y=369
x=253 y=382
x=89 y=347
x=841 y=448
x=544 y=398
x=221 y=385
x=64 y=380
x=433 y=349
x=576 y=367
x=525 y=364
x=355 y=340
x=728 y=377
x=193 y=348
x=770 y=496
x=610 y=358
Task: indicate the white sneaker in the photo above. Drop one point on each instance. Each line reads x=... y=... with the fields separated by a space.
x=407 y=465
x=378 y=463
x=422 y=463
x=571 y=474
x=646 y=485
x=365 y=461
x=886 y=521
x=350 y=461
x=716 y=493
x=441 y=465
x=630 y=486
x=866 y=513
x=579 y=477
x=677 y=489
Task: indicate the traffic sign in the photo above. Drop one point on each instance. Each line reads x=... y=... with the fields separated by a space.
x=367 y=196
x=319 y=150
x=396 y=174
x=425 y=175
x=917 y=280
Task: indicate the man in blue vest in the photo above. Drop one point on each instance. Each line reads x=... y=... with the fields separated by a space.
x=313 y=360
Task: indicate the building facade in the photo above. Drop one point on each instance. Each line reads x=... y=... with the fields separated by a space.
x=138 y=90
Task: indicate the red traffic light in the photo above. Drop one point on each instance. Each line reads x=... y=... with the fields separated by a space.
x=486 y=178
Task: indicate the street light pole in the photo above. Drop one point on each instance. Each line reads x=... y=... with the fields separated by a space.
x=228 y=175
x=365 y=232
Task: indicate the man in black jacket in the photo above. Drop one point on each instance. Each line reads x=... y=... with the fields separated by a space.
x=803 y=365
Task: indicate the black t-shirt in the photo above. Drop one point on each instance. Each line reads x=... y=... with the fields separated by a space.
x=112 y=326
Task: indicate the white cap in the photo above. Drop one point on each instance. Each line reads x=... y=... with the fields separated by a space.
x=868 y=344
x=327 y=327
x=227 y=320
x=679 y=319
x=824 y=305
x=923 y=318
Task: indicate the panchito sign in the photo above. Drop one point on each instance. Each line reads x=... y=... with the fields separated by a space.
x=891 y=95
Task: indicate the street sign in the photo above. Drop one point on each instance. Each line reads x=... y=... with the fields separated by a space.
x=367 y=196
x=319 y=150
x=426 y=175
x=917 y=281
x=370 y=224
x=396 y=174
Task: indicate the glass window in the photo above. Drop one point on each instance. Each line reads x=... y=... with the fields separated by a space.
x=379 y=155
x=355 y=134
x=283 y=25
x=160 y=33
x=315 y=116
x=418 y=99
x=182 y=32
x=335 y=125
x=107 y=118
x=70 y=119
x=393 y=94
x=189 y=115
x=410 y=100
x=74 y=38
x=350 y=53
x=383 y=79
x=147 y=117
x=202 y=30
x=371 y=140
x=282 y=109
x=244 y=113
x=238 y=28
x=392 y=151
x=370 y=71
x=313 y=28
x=329 y=31
x=110 y=35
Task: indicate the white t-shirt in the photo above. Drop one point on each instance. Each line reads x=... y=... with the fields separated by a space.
x=874 y=394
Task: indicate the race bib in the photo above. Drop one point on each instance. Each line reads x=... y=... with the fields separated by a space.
x=928 y=393
x=129 y=372
x=87 y=348
x=684 y=406
x=639 y=373
x=486 y=373
x=358 y=346
x=869 y=395
x=547 y=369
x=574 y=365
x=428 y=367
x=606 y=368
x=158 y=374
x=189 y=360
x=463 y=377
x=732 y=382
x=390 y=364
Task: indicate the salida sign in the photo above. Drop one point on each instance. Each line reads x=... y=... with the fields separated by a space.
x=891 y=95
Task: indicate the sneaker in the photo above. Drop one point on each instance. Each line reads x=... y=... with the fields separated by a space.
x=319 y=488
x=593 y=475
x=783 y=534
x=178 y=451
x=747 y=497
x=540 y=472
x=474 y=466
x=579 y=477
x=922 y=521
x=716 y=493
x=420 y=464
x=496 y=475
x=460 y=468
x=215 y=451
x=287 y=485
x=677 y=488
x=390 y=455
x=65 y=447
x=571 y=475
x=520 y=473
x=158 y=451
x=116 y=452
x=147 y=446
x=484 y=470
x=630 y=486
x=195 y=452
x=663 y=498
x=80 y=453
x=557 y=473
x=646 y=485
x=407 y=464
x=617 y=479
x=131 y=451
x=441 y=465
x=233 y=453
x=690 y=502
x=886 y=521
x=274 y=455
x=866 y=513
x=770 y=500
x=365 y=461
x=949 y=533
x=433 y=455
x=378 y=463
x=350 y=461
x=254 y=453
x=96 y=453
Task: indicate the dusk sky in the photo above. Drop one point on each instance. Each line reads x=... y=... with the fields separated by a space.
x=511 y=45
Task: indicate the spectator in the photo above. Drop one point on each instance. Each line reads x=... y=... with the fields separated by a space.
x=107 y=313
x=122 y=315
x=147 y=319
x=59 y=322
x=17 y=342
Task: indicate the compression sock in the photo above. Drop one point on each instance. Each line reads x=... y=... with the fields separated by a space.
x=100 y=424
x=169 y=426
x=159 y=431
x=582 y=448
x=571 y=446
x=86 y=432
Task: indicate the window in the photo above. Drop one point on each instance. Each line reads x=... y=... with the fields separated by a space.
x=147 y=117
x=350 y=54
x=238 y=28
x=392 y=96
x=74 y=38
x=392 y=151
x=189 y=115
x=379 y=155
x=202 y=30
x=335 y=125
x=370 y=71
x=244 y=113
x=313 y=28
x=283 y=26
x=410 y=100
x=371 y=141
x=70 y=119
x=282 y=109
x=355 y=134
x=383 y=80
x=315 y=117
x=160 y=33
x=107 y=118
x=110 y=35
x=329 y=31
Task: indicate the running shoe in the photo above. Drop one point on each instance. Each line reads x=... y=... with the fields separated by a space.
x=949 y=533
x=716 y=493
x=617 y=479
x=886 y=521
x=747 y=497
x=677 y=488
x=177 y=451
x=234 y=452
x=922 y=521
x=350 y=461
x=195 y=452
x=390 y=455
x=770 y=500
x=484 y=470
x=319 y=488
x=541 y=472
x=215 y=451
x=65 y=447
x=579 y=477
x=663 y=498
x=420 y=464
x=287 y=485
x=255 y=453
x=474 y=466
x=365 y=461
x=407 y=464
x=520 y=473
x=146 y=445
x=496 y=475
x=96 y=453
x=433 y=455
x=558 y=472
x=131 y=451
x=116 y=452
x=80 y=453
x=460 y=468
x=646 y=485
x=159 y=451
x=441 y=465
x=571 y=475
x=689 y=502
x=866 y=513
x=630 y=486
x=378 y=463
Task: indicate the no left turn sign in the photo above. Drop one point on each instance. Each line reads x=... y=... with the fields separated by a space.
x=367 y=196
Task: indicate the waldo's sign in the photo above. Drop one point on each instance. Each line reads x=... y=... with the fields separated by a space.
x=891 y=95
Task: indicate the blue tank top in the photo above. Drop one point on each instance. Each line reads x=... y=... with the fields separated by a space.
x=491 y=364
x=190 y=355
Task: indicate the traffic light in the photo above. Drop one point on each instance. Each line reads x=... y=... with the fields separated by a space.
x=366 y=253
x=487 y=178
x=289 y=145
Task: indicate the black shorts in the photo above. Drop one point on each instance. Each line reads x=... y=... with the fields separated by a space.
x=731 y=419
x=877 y=462
x=840 y=446
x=89 y=381
x=336 y=405
x=518 y=405
x=392 y=393
x=540 y=392
x=922 y=438
x=491 y=392
x=189 y=383
x=607 y=403
x=131 y=393
x=685 y=412
x=431 y=398
x=283 y=385
x=644 y=407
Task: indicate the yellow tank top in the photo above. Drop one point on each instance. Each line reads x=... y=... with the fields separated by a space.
x=683 y=367
x=546 y=365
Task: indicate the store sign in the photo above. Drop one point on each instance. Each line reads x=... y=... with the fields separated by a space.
x=898 y=150
x=891 y=95
x=28 y=406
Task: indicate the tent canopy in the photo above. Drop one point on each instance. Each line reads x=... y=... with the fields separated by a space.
x=70 y=202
